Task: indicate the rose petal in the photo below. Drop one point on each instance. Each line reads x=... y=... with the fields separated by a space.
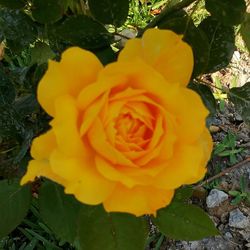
x=65 y=127
x=43 y=145
x=38 y=168
x=98 y=140
x=184 y=165
x=77 y=69
x=165 y=51
x=138 y=200
x=92 y=112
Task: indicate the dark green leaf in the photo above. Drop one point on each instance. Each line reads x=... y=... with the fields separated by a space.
x=229 y=12
x=193 y=36
x=47 y=11
x=183 y=194
x=26 y=105
x=7 y=90
x=18 y=29
x=84 y=32
x=27 y=136
x=59 y=210
x=221 y=44
x=184 y=222
x=14 y=204
x=109 y=11
x=110 y=231
x=41 y=53
x=245 y=31
x=12 y=4
x=206 y=96
x=105 y=55
x=241 y=99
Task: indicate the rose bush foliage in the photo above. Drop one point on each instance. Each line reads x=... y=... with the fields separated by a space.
x=125 y=135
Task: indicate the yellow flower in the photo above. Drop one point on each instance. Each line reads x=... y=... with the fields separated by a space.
x=125 y=135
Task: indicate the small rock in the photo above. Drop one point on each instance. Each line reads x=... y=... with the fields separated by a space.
x=214 y=129
x=238 y=220
x=224 y=217
x=248 y=245
x=245 y=235
x=238 y=117
x=195 y=245
x=228 y=235
x=215 y=220
x=215 y=198
x=236 y=56
x=129 y=33
x=221 y=227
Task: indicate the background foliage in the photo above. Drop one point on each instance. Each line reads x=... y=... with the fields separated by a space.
x=33 y=31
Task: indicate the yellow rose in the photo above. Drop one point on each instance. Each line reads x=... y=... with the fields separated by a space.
x=125 y=135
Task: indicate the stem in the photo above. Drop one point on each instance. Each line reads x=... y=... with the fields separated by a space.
x=224 y=172
x=209 y=84
x=167 y=11
x=121 y=35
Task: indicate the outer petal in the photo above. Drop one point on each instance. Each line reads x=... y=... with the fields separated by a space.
x=165 y=51
x=86 y=183
x=184 y=166
x=77 y=69
x=190 y=114
x=66 y=129
x=37 y=168
x=139 y=200
x=43 y=145
x=205 y=142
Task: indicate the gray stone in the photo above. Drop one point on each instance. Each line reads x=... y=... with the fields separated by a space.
x=236 y=56
x=238 y=220
x=228 y=235
x=245 y=235
x=215 y=198
x=248 y=245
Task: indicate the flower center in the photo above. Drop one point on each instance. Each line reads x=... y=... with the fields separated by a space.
x=132 y=134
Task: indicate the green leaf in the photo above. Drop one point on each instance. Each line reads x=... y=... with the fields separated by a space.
x=59 y=210
x=183 y=194
x=14 y=205
x=7 y=89
x=41 y=53
x=105 y=55
x=221 y=44
x=193 y=36
x=13 y=4
x=234 y=192
x=109 y=11
x=241 y=99
x=243 y=184
x=245 y=31
x=17 y=28
x=229 y=12
x=206 y=96
x=26 y=105
x=84 y=32
x=47 y=11
x=184 y=222
x=98 y=229
x=236 y=200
